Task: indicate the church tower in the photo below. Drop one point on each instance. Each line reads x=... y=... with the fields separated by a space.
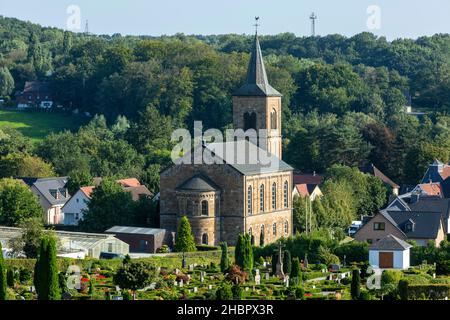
x=257 y=105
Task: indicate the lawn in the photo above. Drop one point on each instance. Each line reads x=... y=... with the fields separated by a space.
x=37 y=125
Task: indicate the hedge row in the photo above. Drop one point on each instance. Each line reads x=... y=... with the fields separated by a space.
x=170 y=261
x=426 y=291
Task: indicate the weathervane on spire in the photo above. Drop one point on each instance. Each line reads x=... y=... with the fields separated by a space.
x=256 y=25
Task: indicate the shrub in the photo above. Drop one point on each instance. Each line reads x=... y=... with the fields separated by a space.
x=206 y=248
x=391 y=277
x=353 y=251
x=164 y=249
x=403 y=289
x=224 y=292
x=235 y=275
x=300 y=293
x=237 y=292
x=428 y=291
x=443 y=267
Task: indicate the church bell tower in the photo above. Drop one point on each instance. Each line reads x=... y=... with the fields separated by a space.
x=257 y=105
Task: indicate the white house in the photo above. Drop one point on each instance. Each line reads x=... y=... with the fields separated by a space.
x=390 y=253
x=74 y=208
x=52 y=195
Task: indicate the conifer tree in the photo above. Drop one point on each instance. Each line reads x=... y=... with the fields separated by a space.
x=295 y=272
x=2 y=276
x=185 y=239
x=355 y=285
x=10 y=278
x=54 y=292
x=287 y=263
x=224 y=261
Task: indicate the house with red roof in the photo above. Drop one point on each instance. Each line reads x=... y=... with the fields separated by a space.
x=307 y=185
x=74 y=209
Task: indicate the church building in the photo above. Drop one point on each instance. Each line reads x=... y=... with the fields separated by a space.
x=223 y=200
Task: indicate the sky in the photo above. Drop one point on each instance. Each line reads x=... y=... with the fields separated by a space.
x=390 y=18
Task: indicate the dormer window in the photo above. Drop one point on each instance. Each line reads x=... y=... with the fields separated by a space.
x=409 y=226
x=54 y=193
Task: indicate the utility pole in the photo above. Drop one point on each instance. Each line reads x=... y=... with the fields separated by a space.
x=313 y=18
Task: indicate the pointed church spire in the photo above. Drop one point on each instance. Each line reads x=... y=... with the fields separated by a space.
x=256 y=83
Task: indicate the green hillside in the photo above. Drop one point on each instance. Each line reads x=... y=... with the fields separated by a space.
x=37 y=125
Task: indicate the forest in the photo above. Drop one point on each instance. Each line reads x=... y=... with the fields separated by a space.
x=343 y=98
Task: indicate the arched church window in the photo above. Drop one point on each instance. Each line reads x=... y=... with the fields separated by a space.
x=205 y=209
x=261 y=198
x=274 y=196
x=205 y=239
x=274 y=229
x=249 y=121
x=250 y=200
x=273 y=120
x=286 y=194
x=286 y=227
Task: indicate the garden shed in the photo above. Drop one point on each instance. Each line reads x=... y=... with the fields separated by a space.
x=390 y=253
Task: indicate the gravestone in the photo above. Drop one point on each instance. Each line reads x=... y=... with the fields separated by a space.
x=191 y=267
x=257 y=278
x=210 y=287
x=195 y=289
x=286 y=282
x=247 y=288
x=175 y=283
x=267 y=276
x=177 y=271
x=202 y=276
x=181 y=283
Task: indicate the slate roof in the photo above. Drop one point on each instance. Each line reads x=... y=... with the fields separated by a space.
x=44 y=185
x=390 y=243
x=198 y=183
x=432 y=204
x=427 y=224
x=134 y=230
x=313 y=179
x=138 y=192
x=256 y=83
x=371 y=169
x=246 y=159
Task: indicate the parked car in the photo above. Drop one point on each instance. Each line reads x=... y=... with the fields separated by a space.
x=354 y=228
x=110 y=256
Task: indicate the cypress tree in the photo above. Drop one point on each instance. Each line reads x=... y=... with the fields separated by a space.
x=274 y=262
x=54 y=292
x=239 y=252
x=244 y=252
x=295 y=272
x=185 y=239
x=287 y=263
x=2 y=276
x=10 y=278
x=40 y=274
x=355 y=285
x=224 y=261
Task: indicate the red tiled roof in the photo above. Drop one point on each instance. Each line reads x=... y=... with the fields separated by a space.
x=87 y=191
x=131 y=182
x=431 y=189
x=302 y=190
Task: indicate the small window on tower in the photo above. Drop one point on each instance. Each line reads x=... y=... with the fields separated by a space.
x=249 y=121
x=273 y=120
